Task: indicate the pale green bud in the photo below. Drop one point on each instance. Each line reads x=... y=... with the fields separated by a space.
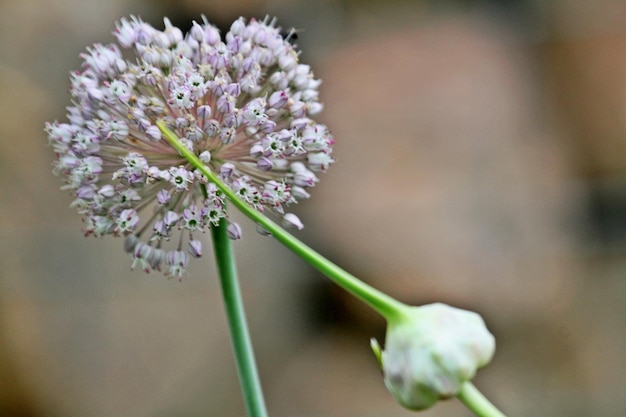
x=431 y=351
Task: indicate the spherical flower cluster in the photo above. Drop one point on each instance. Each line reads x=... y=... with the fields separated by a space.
x=243 y=104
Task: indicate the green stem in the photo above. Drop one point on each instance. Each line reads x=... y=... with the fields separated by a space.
x=477 y=402
x=244 y=355
x=391 y=309
x=385 y=305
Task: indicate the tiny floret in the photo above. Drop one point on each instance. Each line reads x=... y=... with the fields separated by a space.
x=242 y=103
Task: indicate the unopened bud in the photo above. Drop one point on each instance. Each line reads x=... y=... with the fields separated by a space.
x=431 y=352
x=234 y=231
x=291 y=221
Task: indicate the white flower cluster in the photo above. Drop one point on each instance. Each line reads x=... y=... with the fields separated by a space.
x=242 y=103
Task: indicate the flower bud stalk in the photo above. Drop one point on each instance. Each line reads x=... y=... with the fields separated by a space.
x=398 y=315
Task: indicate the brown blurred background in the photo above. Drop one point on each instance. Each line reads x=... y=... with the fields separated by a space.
x=481 y=161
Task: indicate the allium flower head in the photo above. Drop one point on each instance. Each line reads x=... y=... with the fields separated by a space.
x=243 y=104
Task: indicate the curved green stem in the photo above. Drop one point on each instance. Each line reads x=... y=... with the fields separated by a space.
x=477 y=402
x=244 y=355
x=391 y=309
x=385 y=305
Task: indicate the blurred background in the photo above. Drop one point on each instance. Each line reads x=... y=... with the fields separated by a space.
x=481 y=161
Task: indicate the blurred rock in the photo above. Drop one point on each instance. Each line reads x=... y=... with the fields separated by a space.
x=587 y=87
x=447 y=186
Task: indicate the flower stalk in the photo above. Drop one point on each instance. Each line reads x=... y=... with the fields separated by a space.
x=395 y=312
x=244 y=355
x=383 y=304
x=477 y=402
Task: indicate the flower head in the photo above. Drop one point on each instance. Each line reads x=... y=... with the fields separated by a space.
x=242 y=103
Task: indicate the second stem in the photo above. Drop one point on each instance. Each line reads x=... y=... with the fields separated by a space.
x=244 y=355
